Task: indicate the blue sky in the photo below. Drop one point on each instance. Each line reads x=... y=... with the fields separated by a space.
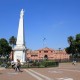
x=54 y=20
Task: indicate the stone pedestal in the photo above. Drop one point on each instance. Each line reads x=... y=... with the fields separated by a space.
x=20 y=53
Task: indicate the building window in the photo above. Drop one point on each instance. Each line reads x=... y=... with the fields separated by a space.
x=34 y=55
x=45 y=51
x=46 y=57
x=39 y=51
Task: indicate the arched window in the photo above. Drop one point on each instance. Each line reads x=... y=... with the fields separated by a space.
x=46 y=57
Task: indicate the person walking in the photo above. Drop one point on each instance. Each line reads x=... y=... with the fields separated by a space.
x=18 y=65
x=74 y=63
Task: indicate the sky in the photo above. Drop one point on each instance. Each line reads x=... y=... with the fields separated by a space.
x=47 y=23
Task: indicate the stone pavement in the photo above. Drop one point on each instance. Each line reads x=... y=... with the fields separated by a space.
x=66 y=71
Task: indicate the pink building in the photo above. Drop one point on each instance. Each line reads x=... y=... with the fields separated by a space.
x=47 y=53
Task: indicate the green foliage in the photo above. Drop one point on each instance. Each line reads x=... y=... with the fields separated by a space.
x=36 y=63
x=70 y=40
x=50 y=64
x=74 y=46
x=5 y=49
x=41 y=64
x=78 y=37
x=12 y=41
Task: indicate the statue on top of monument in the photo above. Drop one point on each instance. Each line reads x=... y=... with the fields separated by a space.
x=22 y=13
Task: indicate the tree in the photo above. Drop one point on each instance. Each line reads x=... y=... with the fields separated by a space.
x=70 y=40
x=78 y=44
x=12 y=41
x=78 y=37
x=5 y=49
x=70 y=49
x=74 y=46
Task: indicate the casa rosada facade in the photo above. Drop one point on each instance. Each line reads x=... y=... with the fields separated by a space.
x=46 y=53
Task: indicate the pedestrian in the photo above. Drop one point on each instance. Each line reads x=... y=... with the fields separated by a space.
x=18 y=65
x=74 y=62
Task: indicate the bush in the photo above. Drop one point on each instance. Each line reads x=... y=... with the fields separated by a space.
x=4 y=65
x=36 y=63
x=50 y=64
x=41 y=64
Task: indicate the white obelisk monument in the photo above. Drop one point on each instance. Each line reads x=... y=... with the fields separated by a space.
x=20 y=49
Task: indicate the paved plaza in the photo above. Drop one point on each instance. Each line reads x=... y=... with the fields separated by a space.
x=65 y=71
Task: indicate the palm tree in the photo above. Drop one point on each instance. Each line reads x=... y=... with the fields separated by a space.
x=12 y=41
x=70 y=40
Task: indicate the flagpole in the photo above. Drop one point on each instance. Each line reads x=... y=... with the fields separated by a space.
x=44 y=42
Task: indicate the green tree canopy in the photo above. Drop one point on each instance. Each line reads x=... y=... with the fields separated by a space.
x=78 y=37
x=74 y=45
x=5 y=49
x=12 y=41
x=70 y=40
